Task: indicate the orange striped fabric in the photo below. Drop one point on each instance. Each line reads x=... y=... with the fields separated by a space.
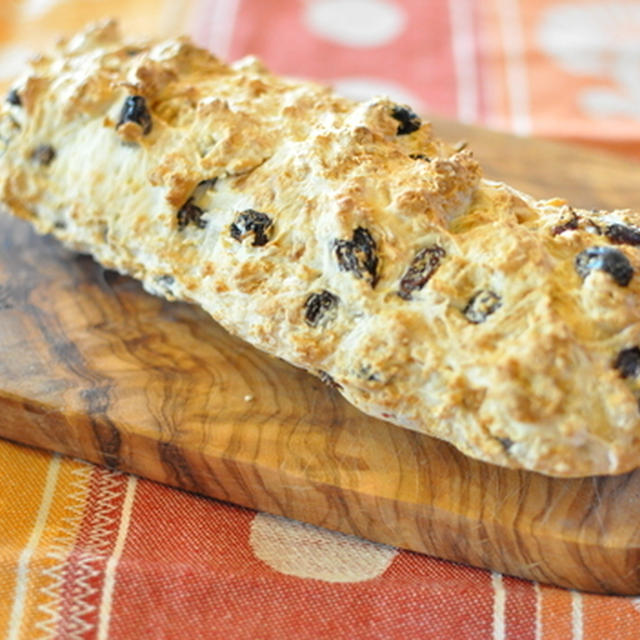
x=90 y=553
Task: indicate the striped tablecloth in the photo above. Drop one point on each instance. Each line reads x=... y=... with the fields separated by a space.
x=90 y=553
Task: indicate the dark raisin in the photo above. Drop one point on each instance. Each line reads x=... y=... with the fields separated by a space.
x=358 y=255
x=422 y=267
x=328 y=380
x=207 y=184
x=567 y=225
x=365 y=247
x=59 y=224
x=419 y=156
x=6 y=298
x=409 y=121
x=622 y=234
x=190 y=213
x=628 y=362
x=165 y=284
x=506 y=443
x=607 y=259
x=135 y=110
x=320 y=308
x=13 y=97
x=482 y=304
x=165 y=280
x=43 y=154
x=252 y=222
x=365 y=372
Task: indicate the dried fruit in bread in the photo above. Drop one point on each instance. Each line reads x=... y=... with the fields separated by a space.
x=343 y=237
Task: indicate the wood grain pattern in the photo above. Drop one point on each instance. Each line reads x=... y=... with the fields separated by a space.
x=93 y=367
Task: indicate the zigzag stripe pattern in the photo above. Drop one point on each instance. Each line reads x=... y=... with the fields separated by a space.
x=84 y=577
x=59 y=551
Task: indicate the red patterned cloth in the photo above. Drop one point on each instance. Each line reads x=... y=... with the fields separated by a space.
x=89 y=553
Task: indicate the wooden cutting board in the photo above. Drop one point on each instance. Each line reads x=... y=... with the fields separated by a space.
x=93 y=367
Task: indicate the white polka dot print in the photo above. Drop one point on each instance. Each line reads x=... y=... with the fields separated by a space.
x=13 y=60
x=37 y=8
x=305 y=551
x=355 y=23
x=597 y=39
x=361 y=88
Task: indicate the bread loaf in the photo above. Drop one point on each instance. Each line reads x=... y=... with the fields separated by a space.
x=344 y=238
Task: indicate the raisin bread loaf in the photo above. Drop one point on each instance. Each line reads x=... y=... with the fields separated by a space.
x=343 y=237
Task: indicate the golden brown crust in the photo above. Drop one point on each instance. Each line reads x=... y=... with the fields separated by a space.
x=344 y=238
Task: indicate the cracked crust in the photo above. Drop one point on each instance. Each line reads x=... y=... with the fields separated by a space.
x=444 y=303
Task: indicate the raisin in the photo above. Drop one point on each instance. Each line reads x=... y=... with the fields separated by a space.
x=135 y=110
x=43 y=154
x=482 y=304
x=13 y=97
x=622 y=234
x=628 y=362
x=409 y=121
x=190 y=213
x=6 y=298
x=365 y=372
x=419 y=156
x=569 y=225
x=320 y=308
x=358 y=255
x=506 y=443
x=422 y=267
x=328 y=380
x=607 y=259
x=252 y=222
x=207 y=184
x=165 y=284
x=165 y=280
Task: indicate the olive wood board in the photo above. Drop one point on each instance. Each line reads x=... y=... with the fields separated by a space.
x=92 y=366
